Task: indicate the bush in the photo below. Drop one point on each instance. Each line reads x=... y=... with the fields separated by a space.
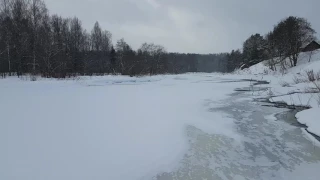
x=270 y=92
x=311 y=76
x=317 y=86
x=284 y=84
x=33 y=78
x=298 y=80
x=308 y=76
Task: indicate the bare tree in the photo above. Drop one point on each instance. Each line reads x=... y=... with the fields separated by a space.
x=292 y=34
x=32 y=41
x=154 y=57
x=21 y=35
x=96 y=37
x=310 y=54
x=6 y=27
x=38 y=11
x=76 y=41
x=272 y=52
x=106 y=43
x=124 y=56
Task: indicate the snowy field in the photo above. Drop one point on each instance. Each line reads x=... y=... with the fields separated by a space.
x=105 y=127
x=191 y=126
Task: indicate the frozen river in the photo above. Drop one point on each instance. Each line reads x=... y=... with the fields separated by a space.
x=183 y=127
x=274 y=146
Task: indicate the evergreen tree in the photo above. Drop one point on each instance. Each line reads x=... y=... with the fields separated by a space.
x=234 y=60
x=254 y=50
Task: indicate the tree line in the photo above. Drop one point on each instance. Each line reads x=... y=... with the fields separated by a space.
x=34 y=42
x=285 y=41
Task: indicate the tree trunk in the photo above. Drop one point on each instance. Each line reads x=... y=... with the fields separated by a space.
x=9 y=60
x=34 y=51
x=295 y=60
x=291 y=62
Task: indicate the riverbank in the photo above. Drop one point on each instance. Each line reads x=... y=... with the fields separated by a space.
x=271 y=146
x=183 y=127
x=293 y=87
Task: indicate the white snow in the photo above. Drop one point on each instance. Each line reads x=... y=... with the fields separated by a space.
x=117 y=127
x=311 y=137
x=271 y=117
x=298 y=99
x=310 y=118
x=302 y=65
x=105 y=127
x=297 y=93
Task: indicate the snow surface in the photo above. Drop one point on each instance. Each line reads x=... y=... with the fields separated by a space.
x=188 y=126
x=298 y=99
x=117 y=127
x=302 y=65
x=310 y=118
x=105 y=127
x=311 y=137
x=284 y=88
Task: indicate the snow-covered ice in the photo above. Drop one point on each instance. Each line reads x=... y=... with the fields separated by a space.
x=298 y=99
x=310 y=118
x=284 y=87
x=105 y=127
x=191 y=126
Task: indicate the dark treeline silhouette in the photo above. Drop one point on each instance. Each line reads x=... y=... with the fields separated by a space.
x=285 y=41
x=34 y=42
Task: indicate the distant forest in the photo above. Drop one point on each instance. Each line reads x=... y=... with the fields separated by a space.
x=34 y=42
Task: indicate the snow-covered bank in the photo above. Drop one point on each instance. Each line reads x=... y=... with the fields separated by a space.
x=293 y=87
x=311 y=118
x=105 y=127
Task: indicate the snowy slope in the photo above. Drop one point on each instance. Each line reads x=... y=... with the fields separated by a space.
x=302 y=65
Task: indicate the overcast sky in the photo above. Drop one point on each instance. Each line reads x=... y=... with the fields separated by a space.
x=195 y=26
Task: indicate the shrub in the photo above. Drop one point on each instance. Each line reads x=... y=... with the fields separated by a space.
x=298 y=80
x=308 y=76
x=312 y=76
x=33 y=78
x=284 y=84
